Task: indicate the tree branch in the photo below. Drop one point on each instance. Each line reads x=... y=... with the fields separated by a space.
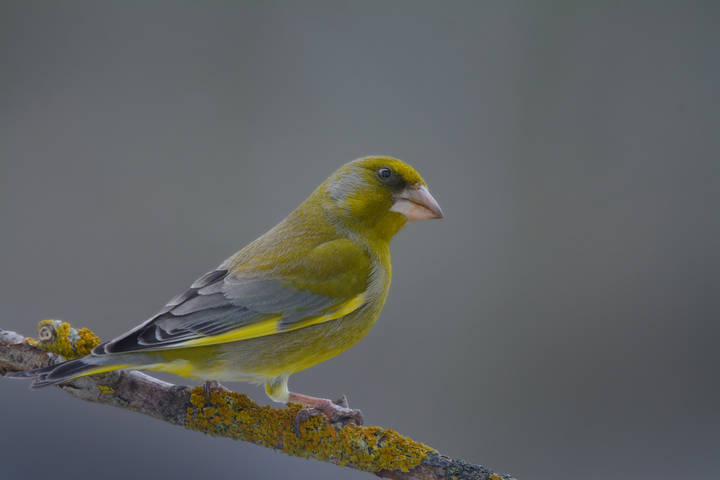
x=381 y=451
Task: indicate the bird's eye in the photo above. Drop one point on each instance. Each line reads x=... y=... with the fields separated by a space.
x=384 y=173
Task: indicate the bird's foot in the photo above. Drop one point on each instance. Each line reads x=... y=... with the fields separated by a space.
x=337 y=413
x=213 y=386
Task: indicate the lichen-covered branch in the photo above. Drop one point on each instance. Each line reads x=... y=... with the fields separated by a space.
x=381 y=451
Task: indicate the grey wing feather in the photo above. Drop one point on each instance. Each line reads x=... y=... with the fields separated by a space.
x=216 y=303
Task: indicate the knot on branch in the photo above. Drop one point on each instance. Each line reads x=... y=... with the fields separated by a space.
x=56 y=336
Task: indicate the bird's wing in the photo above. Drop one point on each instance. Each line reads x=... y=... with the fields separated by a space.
x=225 y=305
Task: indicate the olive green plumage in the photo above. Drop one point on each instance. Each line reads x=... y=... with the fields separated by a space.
x=305 y=291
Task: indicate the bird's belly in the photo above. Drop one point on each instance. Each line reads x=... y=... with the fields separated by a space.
x=290 y=352
x=258 y=359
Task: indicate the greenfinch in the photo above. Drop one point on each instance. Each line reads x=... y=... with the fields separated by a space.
x=305 y=291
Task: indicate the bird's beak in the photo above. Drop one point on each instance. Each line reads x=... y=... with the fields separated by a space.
x=416 y=203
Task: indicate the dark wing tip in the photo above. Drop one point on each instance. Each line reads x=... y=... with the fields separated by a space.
x=151 y=334
x=100 y=349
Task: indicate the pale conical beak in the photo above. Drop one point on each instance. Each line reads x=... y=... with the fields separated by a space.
x=416 y=203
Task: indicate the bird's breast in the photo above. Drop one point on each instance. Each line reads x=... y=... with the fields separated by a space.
x=293 y=351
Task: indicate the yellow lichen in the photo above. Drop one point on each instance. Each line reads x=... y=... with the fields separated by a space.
x=495 y=476
x=105 y=389
x=60 y=338
x=366 y=448
x=88 y=341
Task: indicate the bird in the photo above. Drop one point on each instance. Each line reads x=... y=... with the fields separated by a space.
x=305 y=291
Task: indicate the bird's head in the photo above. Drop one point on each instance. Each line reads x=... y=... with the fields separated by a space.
x=377 y=196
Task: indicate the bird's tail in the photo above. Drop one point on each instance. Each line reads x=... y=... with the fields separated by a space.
x=62 y=372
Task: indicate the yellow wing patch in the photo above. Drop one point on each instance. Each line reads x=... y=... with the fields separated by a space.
x=271 y=325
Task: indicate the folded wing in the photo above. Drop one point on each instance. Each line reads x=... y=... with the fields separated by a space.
x=222 y=306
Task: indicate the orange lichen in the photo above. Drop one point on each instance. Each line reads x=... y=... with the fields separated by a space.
x=88 y=340
x=365 y=448
x=60 y=338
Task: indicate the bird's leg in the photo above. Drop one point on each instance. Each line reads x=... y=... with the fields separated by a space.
x=336 y=412
x=213 y=386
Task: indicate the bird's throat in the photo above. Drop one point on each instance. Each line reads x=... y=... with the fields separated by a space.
x=388 y=225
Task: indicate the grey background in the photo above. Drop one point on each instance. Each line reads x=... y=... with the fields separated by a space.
x=560 y=323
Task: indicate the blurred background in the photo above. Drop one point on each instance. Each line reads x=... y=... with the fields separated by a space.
x=561 y=322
